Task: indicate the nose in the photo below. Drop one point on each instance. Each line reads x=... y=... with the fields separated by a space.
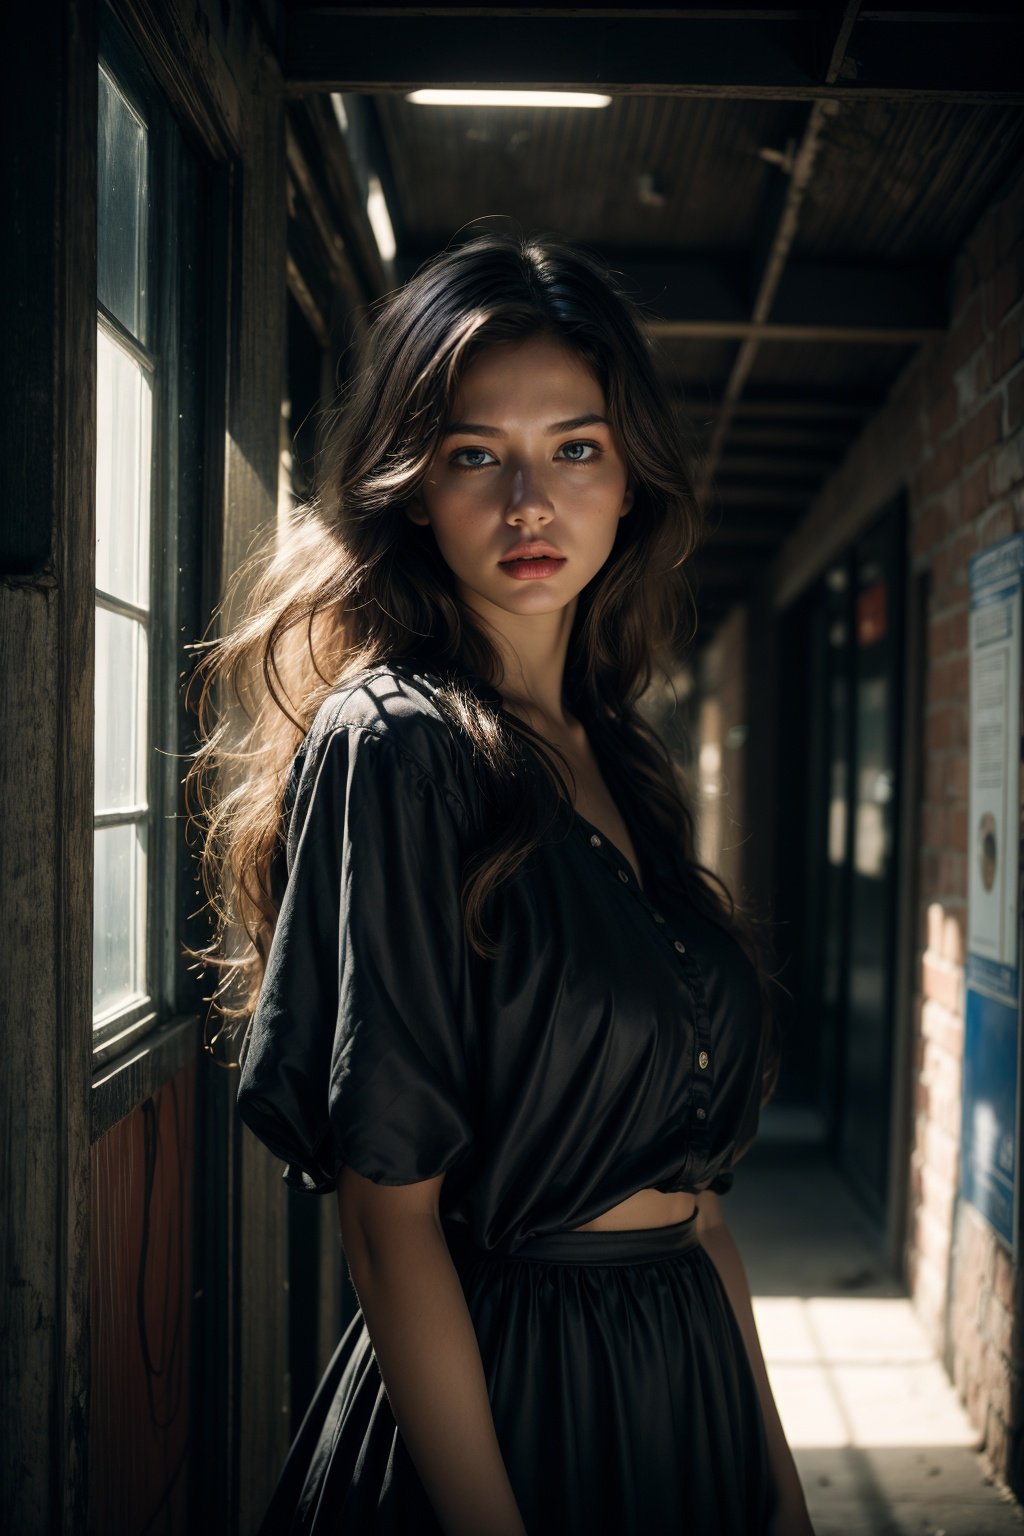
x=528 y=503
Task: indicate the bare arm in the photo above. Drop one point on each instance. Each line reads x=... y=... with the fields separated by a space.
x=427 y=1351
x=790 y=1517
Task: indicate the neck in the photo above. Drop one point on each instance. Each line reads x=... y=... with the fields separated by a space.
x=532 y=649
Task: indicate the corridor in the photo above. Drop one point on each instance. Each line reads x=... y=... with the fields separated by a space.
x=881 y=1442
x=818 y=214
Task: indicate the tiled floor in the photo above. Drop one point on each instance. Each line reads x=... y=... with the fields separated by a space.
x=882 y=1444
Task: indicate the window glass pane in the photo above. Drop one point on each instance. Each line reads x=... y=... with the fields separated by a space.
x=121 y=676
x=124 y=424
x=122 y=193
x=119 y=912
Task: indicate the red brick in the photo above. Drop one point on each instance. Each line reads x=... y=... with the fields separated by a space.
x=956 y=629
x=973 y=1401
x=995 y=1375
x=931 y=1227
x=956 y=775
x=949 y=1033
x=1006 y=468
x=981 y=431
x=946 y=410
x=1008 y=282
x=928 y=873
x=965 y=280
x=942 y=1155
x=942 y=468
x=949 y=567
x=957 y=824
x=965 y=335
x=1007 y=347
x=974 y=494
x=974 y=379
x=936 y=772
x=953 y=873
x=1009 y=223
x=935 y=1212
x=945 y=726
x=947 y=679
x=996 y=1442
x=918 y=1056
x=997 y=523
x=954 y=920
x=1015 y=402
x=933 y=826
x=1003 y=1278
x=999 y=1327
x=937 y=642
x=985 y=242
x=941 y=983
x=930 y=526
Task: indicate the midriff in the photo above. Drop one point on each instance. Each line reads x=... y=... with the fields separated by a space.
x=646 y=1208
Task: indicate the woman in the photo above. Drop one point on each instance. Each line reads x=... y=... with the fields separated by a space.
x=499 y=1008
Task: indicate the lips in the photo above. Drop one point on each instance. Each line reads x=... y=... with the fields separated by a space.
x=534 y=549
x=532 y=567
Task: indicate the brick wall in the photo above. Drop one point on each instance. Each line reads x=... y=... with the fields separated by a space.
x=952 y=433
x=967 y=493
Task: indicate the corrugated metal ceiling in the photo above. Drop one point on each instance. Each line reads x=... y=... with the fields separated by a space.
x=788 y=215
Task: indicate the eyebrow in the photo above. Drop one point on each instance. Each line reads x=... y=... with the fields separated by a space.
x=590 y=419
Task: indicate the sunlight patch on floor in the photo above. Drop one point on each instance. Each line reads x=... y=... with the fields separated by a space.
x=857 y=1372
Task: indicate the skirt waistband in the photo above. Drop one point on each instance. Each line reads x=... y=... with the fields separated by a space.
x=633 y=1245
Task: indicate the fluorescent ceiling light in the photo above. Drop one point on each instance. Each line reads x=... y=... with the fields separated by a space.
x=457 y=98
x=380 y=219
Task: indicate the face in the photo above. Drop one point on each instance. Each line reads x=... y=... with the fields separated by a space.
x=529 y=458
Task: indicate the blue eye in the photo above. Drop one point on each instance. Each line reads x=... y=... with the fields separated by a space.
x=593 y=451
x=457 y=455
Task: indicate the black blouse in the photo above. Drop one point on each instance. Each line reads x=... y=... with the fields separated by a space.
x=614 y=1043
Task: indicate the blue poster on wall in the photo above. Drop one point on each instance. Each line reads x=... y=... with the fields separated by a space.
x=991 y=1090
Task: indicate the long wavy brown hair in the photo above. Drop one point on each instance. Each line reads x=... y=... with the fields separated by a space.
x=348 y=582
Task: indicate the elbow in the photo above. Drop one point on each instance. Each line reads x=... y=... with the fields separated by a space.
x=378 y=1220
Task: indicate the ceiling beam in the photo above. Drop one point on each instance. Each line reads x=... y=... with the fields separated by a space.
x=333 y=253
x=747 y=533
x=785 y=55
x=814 y=440
x=803 y=335
x=705 y=298
x=784 y=408
x=737 y=467
x=788 y=498
x=777 y=223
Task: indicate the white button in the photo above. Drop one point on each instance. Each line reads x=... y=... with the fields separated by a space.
x=658 y=917
x=623 y=876
x=701 y=1114
x=703 y=1059
x=680 y=946
x=595 y=841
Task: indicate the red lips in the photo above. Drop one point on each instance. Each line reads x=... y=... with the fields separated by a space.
x=534 y=547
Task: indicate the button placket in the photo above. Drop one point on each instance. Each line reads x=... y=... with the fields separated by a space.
x=700 y=1095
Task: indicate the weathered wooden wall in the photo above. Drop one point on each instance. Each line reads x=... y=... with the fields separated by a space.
x=141 y=1451
x=217 y=66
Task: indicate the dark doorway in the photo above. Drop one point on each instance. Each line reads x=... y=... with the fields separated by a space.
x=842 y=649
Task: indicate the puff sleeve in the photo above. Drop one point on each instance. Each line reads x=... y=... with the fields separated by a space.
x=356 y=1052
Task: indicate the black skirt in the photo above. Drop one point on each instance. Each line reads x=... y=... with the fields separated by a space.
x=623 y=1400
